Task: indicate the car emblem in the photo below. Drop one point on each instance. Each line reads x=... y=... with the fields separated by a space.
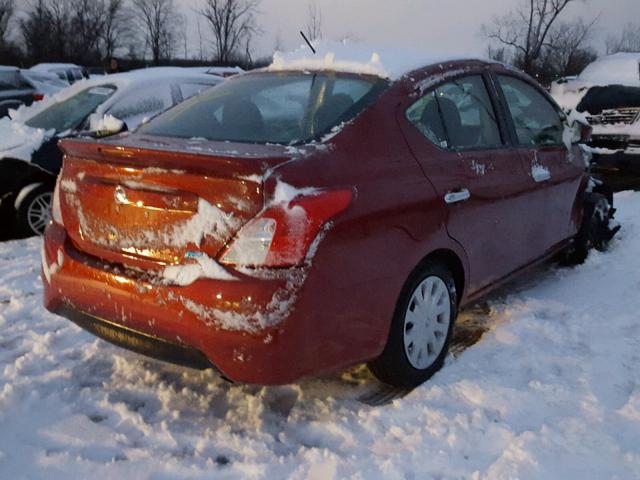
x=120 y=196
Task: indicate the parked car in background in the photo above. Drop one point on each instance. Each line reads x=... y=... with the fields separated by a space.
x=29 y=155
x=608 y=93
x=225 y=72
x=323 y=212
x=68 y=72
x=46 y=83
x=16 y=90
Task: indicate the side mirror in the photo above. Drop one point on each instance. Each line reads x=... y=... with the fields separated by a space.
x=105 y=125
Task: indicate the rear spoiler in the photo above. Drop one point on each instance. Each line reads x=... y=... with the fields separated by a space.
x=220 y=163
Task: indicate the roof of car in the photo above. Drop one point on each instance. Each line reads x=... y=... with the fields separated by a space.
x=47 y=67
x=618 y=69
x=360 y=58
x=121 y=81
x=6 y=68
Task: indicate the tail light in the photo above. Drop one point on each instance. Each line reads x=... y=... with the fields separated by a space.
x=282 y=235
x=585 y=133
x=37 y=97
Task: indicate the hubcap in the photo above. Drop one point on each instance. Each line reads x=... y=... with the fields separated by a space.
x=39 y=213
x=426 y=322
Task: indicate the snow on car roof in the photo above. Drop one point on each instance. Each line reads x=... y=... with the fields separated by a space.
x=46 y=67
x=360 y=58
x=4 y=68
x=618 y=69
x=119 y=80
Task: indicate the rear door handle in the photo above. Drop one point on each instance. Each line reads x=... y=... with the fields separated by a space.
x=459 y=196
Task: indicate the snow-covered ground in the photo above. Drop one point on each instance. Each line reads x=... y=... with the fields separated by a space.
x=550 y=391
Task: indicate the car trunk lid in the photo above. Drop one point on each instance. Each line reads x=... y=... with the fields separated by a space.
x=152 y=207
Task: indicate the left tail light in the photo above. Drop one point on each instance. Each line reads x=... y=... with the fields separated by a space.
x=38 y=96
x=282 y=235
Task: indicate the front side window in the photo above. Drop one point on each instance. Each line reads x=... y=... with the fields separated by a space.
x=283 y=108
x=536 y=120
x=70 y=113
x=458 y=115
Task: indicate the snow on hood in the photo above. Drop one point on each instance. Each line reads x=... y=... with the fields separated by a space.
x=350 y=57
x=19 y=141
x=617 y=69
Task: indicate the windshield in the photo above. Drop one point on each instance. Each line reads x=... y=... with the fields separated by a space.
x=70 y=113
x=283 y=108
x=612 y=97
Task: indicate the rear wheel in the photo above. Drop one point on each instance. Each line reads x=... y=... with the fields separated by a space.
x=596 y=230
x=420 y=330
x=34 y=211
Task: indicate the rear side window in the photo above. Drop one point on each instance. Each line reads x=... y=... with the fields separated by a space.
x=458 y=115
x=536 y=120
x=188 y=90
x=283 y=108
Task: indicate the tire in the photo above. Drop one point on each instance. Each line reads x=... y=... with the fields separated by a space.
x=595 y=230
x=401 y=364
x=34 y=212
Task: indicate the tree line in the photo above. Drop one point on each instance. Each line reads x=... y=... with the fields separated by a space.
x=90 y=32
x=535 y=38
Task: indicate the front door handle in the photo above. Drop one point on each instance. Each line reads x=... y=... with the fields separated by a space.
x=459 y=196
x=540 y=174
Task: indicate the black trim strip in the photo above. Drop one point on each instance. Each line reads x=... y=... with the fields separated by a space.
x=136 y=341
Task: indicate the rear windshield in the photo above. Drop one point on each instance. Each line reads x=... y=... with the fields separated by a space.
x=612 y=97
x=70 y=113
x=13 y=81
x=283 y=108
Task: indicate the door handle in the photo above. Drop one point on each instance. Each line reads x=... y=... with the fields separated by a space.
x=459 y=196
x=540 y=174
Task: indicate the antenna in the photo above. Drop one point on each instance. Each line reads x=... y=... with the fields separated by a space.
x=308 y=42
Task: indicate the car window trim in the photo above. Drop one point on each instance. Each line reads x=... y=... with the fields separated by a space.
x=515 y=143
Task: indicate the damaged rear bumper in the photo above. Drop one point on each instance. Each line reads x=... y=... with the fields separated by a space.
x=248 y=329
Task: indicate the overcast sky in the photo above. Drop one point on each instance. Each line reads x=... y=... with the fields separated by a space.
x=452 y=25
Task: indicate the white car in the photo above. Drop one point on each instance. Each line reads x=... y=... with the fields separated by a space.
x=29 y=156
x=608 y=93
x=45 y=83
x=68 y=72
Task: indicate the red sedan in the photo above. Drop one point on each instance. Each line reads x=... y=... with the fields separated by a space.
x=289 y=223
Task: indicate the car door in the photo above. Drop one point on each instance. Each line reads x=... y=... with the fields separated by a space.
x=142 y=102
x=460 y=140
x=554 y=170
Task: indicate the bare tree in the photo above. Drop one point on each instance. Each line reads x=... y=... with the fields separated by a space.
x=233 y=25
x=314 y=22
x=157 y=20
x=627 y=41
x=568 y=48
x=7 y=9
x=116 y=28
x=85 y=28
x=526 y=29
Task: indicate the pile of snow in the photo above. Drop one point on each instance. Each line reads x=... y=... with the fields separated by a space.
x=351 y=57
x=550 y=391
x=18 y=141
x=617 y=69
